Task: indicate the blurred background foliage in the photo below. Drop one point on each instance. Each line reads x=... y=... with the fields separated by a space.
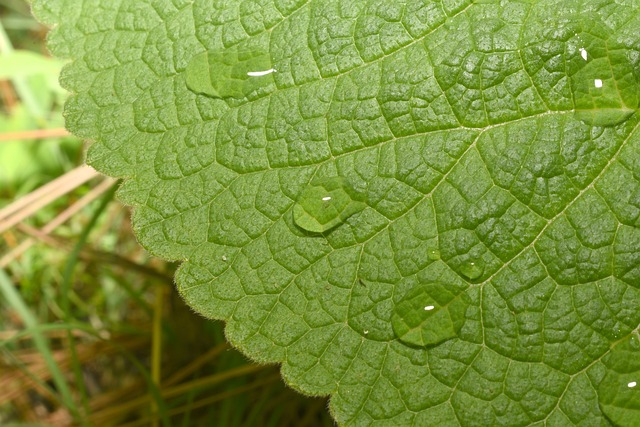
x=92 y=331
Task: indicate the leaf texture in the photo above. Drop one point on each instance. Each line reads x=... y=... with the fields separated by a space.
x=496 y=147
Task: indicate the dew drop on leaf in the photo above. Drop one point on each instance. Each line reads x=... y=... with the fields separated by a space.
x=231 y=73
x=618 y=392
x=429 y=314
x=433 y=254
x=604 y=83
x=326 y=204
x=471 y=270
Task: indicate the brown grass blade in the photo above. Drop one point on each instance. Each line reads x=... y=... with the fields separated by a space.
x=101 y=417
x=34 y=201
x=58 y=220
x=195 y=365
x=33 y=134
x=208 y=400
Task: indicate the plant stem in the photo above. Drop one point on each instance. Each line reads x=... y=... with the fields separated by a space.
x=156 y=349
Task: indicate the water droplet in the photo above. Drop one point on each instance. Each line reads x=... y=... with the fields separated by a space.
x=604 y=83
x=618 y=394
x=421 y=325
x=471 y=270
x=366 y=332
x=434 y=254
x=224 y=258
x=326 y=204
x=231 y=73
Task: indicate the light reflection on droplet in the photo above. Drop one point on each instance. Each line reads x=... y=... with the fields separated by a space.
x=597 y=83
x=261 y=73
x=632 y=384
x=583 y=53
x=224 y=258
x=366 y=332
x=429 y=307
x=326 y=199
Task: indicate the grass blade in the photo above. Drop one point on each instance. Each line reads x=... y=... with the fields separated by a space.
x=15 y=300
x=67 y=279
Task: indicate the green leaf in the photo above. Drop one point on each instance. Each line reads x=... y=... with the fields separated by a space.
x=483 y=157
x=21 y=63
x=619 y=391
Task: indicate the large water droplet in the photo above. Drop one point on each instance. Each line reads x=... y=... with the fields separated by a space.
x=231 y=73
x=472 y=270
x=604 y=82
x=326 y=204
x=429 y=314
x=618 y=392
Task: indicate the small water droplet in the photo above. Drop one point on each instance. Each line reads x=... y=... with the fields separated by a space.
x=632 y=384
x=434 y=254
x=604 y=83
x=231 y=73
x=366 y=332
x=326 y=204
x=471 y=270
x=224 y=258
x=417 y=324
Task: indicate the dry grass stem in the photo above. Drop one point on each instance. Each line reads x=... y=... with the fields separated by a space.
x=208 y=400
x=14 y=381
x=196 y=364
x=36 y=200
x=58 y=220
x=101 y=417
x=33 y=134
x=92 y=255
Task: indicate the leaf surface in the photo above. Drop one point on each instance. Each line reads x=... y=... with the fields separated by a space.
x=495 y=152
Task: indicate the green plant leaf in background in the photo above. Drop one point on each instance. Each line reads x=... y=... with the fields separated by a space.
x=30 y=161
x=492 y=155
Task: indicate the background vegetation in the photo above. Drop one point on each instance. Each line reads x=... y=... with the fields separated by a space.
x=92 y=331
